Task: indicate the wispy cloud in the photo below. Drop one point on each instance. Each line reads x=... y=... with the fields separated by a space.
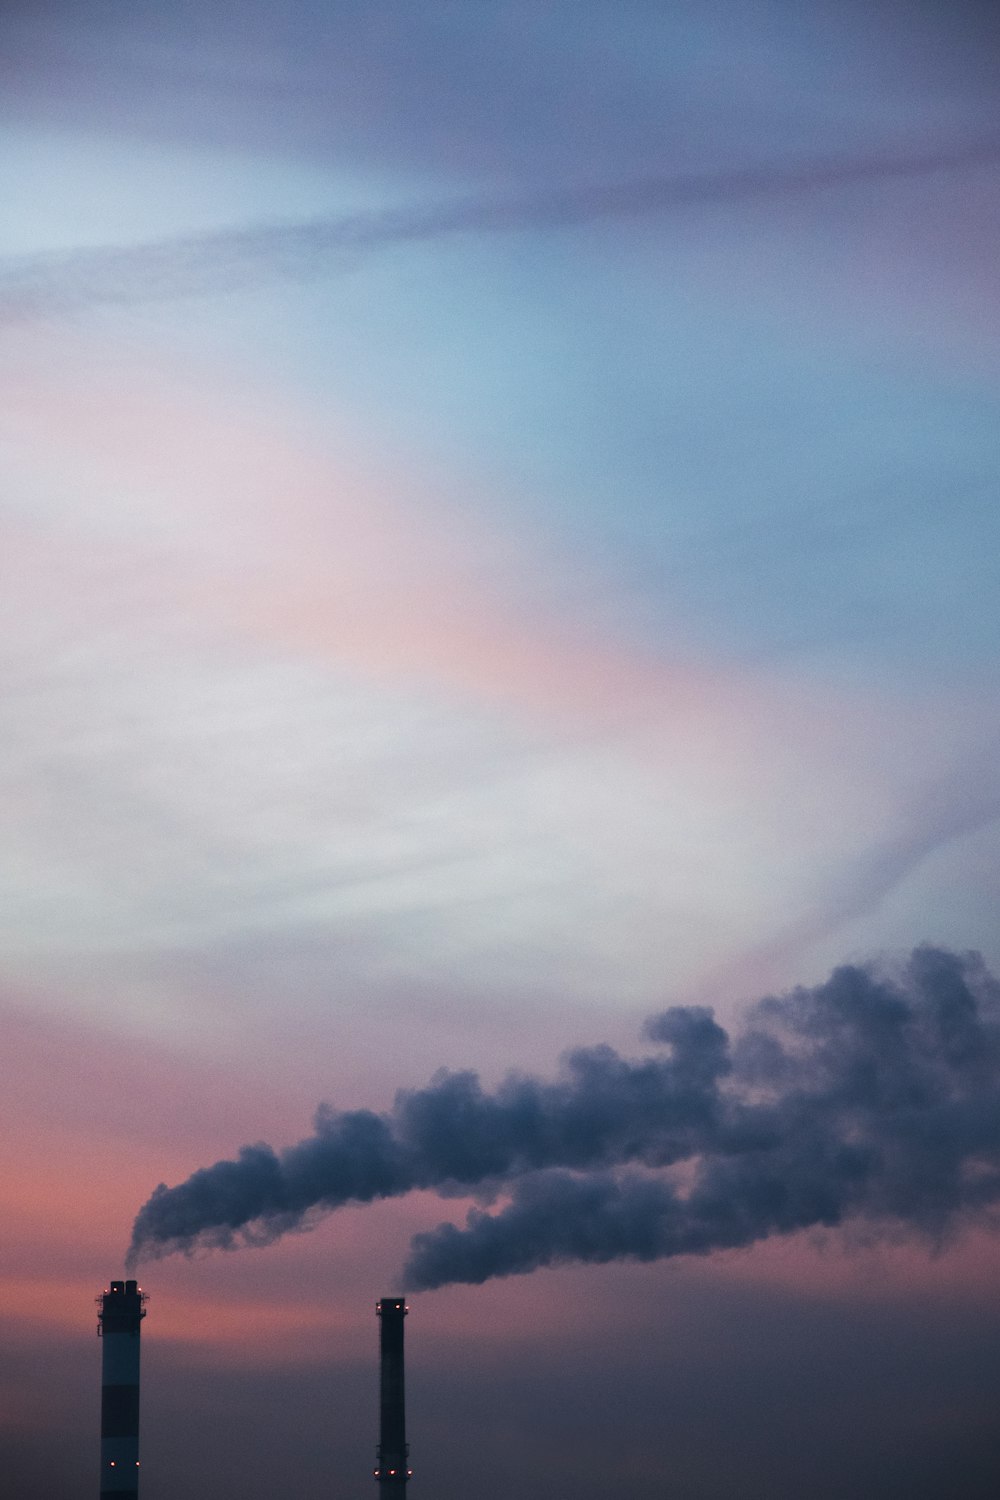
x=241 y=259
x=951 y=808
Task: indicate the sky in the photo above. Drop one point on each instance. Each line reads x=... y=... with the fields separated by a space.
x=500 y=535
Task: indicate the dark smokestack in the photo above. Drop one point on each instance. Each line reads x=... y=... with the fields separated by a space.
x=122 y=1309
x=392 y=1470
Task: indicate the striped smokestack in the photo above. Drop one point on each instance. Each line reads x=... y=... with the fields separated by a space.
x=122 y=1309
x=392 y=1469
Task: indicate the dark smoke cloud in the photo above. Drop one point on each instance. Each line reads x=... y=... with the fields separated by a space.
x=55 y=285
x=860 y=1100
x=451 y=1135
x=868 y=1099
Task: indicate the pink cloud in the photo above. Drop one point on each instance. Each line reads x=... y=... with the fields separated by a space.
x=179 y=506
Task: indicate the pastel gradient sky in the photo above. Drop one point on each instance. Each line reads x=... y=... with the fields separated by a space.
x=499 y=507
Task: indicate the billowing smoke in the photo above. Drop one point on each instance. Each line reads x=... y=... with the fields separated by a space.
x=869 y=1099
x=605 y=1110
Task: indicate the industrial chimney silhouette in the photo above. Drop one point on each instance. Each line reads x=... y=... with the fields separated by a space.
x=392 y=1467
x=122 y=1309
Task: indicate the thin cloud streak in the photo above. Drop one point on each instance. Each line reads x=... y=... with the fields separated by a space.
x=58 y=285
x=949 y=811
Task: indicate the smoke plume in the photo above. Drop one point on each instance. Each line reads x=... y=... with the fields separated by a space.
x=871 y=1099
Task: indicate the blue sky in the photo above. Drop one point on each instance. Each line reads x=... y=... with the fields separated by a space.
x=500 y=516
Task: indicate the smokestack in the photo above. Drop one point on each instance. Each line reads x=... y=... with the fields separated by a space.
x=122 y=1309
x=392 y=1469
